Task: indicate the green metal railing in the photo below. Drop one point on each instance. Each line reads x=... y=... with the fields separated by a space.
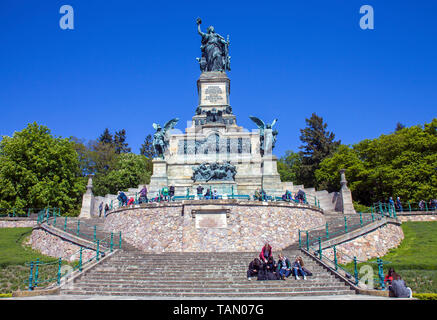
x=314 y=243
x=350 y=270
x=25 y=212
x=338 y=226
x=101 y=248
x=406 y=206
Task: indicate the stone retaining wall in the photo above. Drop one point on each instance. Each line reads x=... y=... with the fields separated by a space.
x=371 y=245
x=219 y=226
x=17 y=224
x=53 y=246
x=417 y=217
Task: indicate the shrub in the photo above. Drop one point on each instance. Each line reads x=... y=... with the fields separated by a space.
x=425 y=296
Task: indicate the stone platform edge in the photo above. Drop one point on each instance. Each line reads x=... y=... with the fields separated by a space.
x=219 y=202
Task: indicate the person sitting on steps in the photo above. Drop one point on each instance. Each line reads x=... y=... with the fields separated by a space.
x=398 y=288
x=284 y=267
x=266 y=252
x=271 y=266
x=297 y=267
x=253 y=269
x=389 y=277
x=307 y=272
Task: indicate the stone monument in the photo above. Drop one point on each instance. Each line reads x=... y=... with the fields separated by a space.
x=214 y=151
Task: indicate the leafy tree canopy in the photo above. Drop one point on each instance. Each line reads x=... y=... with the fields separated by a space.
x=401 y=164
x=318 y=143
x=120 y=144
x=38 y=170
x=289 y=167
x=147 y=147
x=130 y=171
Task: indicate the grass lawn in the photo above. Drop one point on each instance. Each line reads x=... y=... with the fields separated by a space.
x=13 y=256
x=415 y=259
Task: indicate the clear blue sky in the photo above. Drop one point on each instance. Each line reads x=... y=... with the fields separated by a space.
x=128 y=64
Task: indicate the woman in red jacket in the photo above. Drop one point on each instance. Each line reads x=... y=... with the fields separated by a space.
x=266 y=252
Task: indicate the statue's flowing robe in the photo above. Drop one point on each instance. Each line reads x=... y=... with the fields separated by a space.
x=214 y=51
x=268 y=141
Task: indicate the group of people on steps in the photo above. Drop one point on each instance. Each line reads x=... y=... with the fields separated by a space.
x=265 y=267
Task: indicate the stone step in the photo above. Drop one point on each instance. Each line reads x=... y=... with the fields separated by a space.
x=177 y=272
x=209 y=289
x=246 y=285
x=172 y=262
x=241 y=278
x=211 y=294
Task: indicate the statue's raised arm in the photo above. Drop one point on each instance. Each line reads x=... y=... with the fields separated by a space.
x=199 y=21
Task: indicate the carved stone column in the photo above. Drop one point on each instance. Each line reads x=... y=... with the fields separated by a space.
x=346 y=195
x=87 y=200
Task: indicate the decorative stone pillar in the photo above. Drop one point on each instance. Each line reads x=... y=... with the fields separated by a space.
x=345 y=195
x=159 y=179
x=271 y=180
x=87 y=200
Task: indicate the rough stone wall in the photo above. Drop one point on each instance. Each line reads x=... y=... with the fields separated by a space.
x=17 y=224
x=54 y=246
x=152 y=229
x=418 y=217
x=371 y=245
x=173 y=228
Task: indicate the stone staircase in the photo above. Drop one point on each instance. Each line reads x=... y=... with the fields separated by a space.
x=132 y=273
x=336 y=227
x=87 y=231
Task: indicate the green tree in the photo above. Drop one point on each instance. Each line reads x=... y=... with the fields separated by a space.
x=106 y=137
x=147 y=147
x=399 y=126
x=38 y=170
x=120 y=144
x=401 y=164
x=318 y=143
x=130 y=171
x=289 y=167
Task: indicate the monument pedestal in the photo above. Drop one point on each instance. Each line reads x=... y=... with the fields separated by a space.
x=159 y=178
x=271 y=180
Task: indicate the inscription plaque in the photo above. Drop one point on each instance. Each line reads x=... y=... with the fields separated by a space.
x=213 y=94
x=211 y=220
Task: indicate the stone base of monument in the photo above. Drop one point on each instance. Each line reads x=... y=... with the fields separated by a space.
x=223 y=188
x=347 y=204
x=159 y=177
x=227 y=225
x=271 y=180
